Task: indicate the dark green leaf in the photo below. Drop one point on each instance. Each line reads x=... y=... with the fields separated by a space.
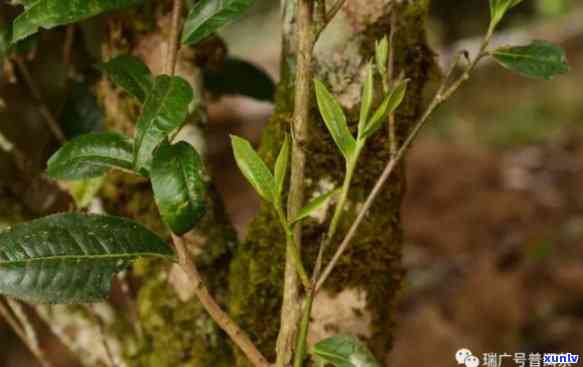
x=239 y=77
x=207 y=16
x=280 y=171
x=71 y=258
x=178 y=180
x=81 y=113
x=334 y=119
x=540 y=59
x=314 y=205
x=131 y=74
x=253 y=168
x=48 y=14
x=367 y=98
x=344 y=351
x=392 y=101
x=165 y=110
x=91 y=155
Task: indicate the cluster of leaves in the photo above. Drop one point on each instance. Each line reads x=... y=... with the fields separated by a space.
x=71 y=257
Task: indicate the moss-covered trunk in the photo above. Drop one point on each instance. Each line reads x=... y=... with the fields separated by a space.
x=359 y=297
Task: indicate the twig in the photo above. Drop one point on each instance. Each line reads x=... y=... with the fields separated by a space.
x=442 y=94
x=290 y=311
x=23 y=332
x=328 y=18
x=37 y=95
x=173 y=42
x=239 y=337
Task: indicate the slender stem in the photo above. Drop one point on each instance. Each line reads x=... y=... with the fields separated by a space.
x=239 y=337
x=290 y=312
x=294 y=250
x=304 y=327
x=443 y=93
x=173 y=42
x=37 y=95
x=20 y=332
x=330 y=14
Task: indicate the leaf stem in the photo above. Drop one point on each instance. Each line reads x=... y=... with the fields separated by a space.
x=293 y=250
x=444 y=92
x=238 y=336
x=173 y=41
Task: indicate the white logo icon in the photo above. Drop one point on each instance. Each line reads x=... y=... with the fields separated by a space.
x=464 y=357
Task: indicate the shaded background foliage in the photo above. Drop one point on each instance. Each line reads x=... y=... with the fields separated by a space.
x=494 y=211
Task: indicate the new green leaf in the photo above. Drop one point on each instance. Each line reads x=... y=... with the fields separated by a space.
x=367 y=97
x=207 y=16
x=178 y=181
x=334 y=119
x=344 y=351
x=280 y=170
x=314 y=205
x=131 y=74
x=165 y=110
x=498 y=9
x=71 y=258
x=84 y=191
x=392 y=101
x=91 y=155
x=382 y=55
x=48 y=14
x=253 y=168
x=540 y=59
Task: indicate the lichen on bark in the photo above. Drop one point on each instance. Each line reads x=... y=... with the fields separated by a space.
x=372 y=266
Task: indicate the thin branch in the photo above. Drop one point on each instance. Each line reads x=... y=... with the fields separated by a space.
x=239 y=337
x=173 y=42
x=442 y=94
x=37 y=95
x=332 y=12
x=290 y=311
x=25 y=332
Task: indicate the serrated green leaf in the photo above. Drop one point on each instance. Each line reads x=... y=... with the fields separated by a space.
x=48 y=14
x=71 y=258
x=498 y=9
x=253 y=168
x=344 y=351
x=178 y=181
x=367 y=98
x=382 y=55
x=81 y=112
x=540 y=59
x=280 y=171
x=207 y=16
x=91 y=155
x=314 y=205
x=165 y=110
x=335 y=120
x=84 y=191
x=131 y=74
x=392 y=101
x=239 y=77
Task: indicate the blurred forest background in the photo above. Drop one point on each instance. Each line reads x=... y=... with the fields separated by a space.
x=494 y=210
